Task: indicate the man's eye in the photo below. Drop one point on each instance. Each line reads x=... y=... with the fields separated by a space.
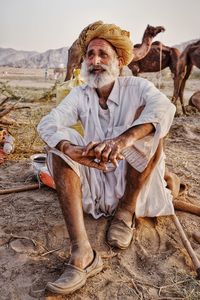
x=89 y=55
x=104 y=55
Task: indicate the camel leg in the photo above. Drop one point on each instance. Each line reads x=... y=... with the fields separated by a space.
x=182 y=87
x=173 y=65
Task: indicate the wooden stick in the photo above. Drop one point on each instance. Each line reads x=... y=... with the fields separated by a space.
x=187 y=207
x=187 y=245
x=24 y=188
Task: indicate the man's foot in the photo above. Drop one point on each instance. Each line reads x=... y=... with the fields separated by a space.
x=120 y=232
x=74 y=277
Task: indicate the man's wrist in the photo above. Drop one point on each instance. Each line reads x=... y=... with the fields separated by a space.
x=62 y=145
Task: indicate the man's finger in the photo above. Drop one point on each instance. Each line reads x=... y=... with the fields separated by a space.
x=105 y=155
x=113 y=156
x=120 y=157
x=89 y=147
x=100 y=166
x=98 y=150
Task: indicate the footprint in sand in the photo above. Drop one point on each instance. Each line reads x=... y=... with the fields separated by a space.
x=148 y=238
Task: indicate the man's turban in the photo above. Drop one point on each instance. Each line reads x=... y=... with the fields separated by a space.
x=113 y=34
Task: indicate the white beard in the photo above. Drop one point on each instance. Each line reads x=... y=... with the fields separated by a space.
x=99 y=80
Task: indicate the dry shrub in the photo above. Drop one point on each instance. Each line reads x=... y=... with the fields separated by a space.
x=40 y=101
x=27 y=140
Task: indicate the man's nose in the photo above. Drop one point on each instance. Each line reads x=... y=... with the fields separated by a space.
x=96 y=60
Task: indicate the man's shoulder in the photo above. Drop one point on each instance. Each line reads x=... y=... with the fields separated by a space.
x=78 y=90
x=125 y=81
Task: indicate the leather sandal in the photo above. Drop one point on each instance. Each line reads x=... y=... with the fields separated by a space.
x=74 y=278
x=120 y=234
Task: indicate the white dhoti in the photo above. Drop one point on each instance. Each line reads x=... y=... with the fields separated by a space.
x=102 y=191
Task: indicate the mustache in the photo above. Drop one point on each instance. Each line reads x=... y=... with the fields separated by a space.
x=99 y=67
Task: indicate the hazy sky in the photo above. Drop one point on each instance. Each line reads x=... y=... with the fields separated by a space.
x=50 y=24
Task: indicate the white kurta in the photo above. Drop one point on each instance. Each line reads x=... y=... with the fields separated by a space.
x=102 y=190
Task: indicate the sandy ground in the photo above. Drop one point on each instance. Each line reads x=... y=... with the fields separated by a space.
x=34 y=243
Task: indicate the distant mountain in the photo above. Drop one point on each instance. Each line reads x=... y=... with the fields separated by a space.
x=51 y=58
x=9 y=55
x=32 y=59
x=182 y=46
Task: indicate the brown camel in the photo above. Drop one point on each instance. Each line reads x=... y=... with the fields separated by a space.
x=75 y=58
x=158 y=58
x=189 y=57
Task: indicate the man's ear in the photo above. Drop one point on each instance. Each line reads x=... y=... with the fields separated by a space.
x=120 y=59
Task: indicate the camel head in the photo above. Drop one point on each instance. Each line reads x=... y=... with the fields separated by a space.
x=152 y=31
x=141 y=50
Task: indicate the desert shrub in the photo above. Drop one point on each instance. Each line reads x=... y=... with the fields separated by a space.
x=27 y=140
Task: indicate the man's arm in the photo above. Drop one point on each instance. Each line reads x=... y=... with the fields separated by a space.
x=154 y=115
x=51 y=127
x=75 y=152
x=110 y=150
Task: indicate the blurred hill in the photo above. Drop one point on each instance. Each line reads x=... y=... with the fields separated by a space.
x=51 y=58
x=31 y=59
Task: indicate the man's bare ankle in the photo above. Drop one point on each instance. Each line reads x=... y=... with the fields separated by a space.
x=81 y=254
x=125 y=214
x=126 y=208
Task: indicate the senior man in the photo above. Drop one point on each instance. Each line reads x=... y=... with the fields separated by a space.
x=117 y=168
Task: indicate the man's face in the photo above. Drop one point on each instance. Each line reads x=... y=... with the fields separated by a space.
x=101 y=65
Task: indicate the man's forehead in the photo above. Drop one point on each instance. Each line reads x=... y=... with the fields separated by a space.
x=101 y=44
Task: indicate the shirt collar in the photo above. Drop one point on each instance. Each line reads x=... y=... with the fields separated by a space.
x=114 y=95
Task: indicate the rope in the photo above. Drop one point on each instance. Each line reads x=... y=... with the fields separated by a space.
x=160 y=71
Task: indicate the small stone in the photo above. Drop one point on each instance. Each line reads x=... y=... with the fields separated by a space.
x=22 y=246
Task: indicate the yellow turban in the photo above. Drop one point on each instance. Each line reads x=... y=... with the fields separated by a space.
x=113 y=34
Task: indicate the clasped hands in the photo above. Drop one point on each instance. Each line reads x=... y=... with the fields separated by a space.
x=96 y=154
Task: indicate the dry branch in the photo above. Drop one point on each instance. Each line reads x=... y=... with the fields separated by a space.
x=7 y=108
x=187 y=245
x=29 y=187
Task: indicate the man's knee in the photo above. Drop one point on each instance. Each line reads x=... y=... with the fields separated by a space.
x=135 y=178
x=60 y=167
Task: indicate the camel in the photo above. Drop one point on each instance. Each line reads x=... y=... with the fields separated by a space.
x=189 y=57
x=75 y=57
x=158 y=58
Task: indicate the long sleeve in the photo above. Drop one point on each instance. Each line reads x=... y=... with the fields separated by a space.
x=53 y=127
x=158 y=109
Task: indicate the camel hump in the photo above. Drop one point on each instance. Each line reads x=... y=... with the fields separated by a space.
x=157 y=43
